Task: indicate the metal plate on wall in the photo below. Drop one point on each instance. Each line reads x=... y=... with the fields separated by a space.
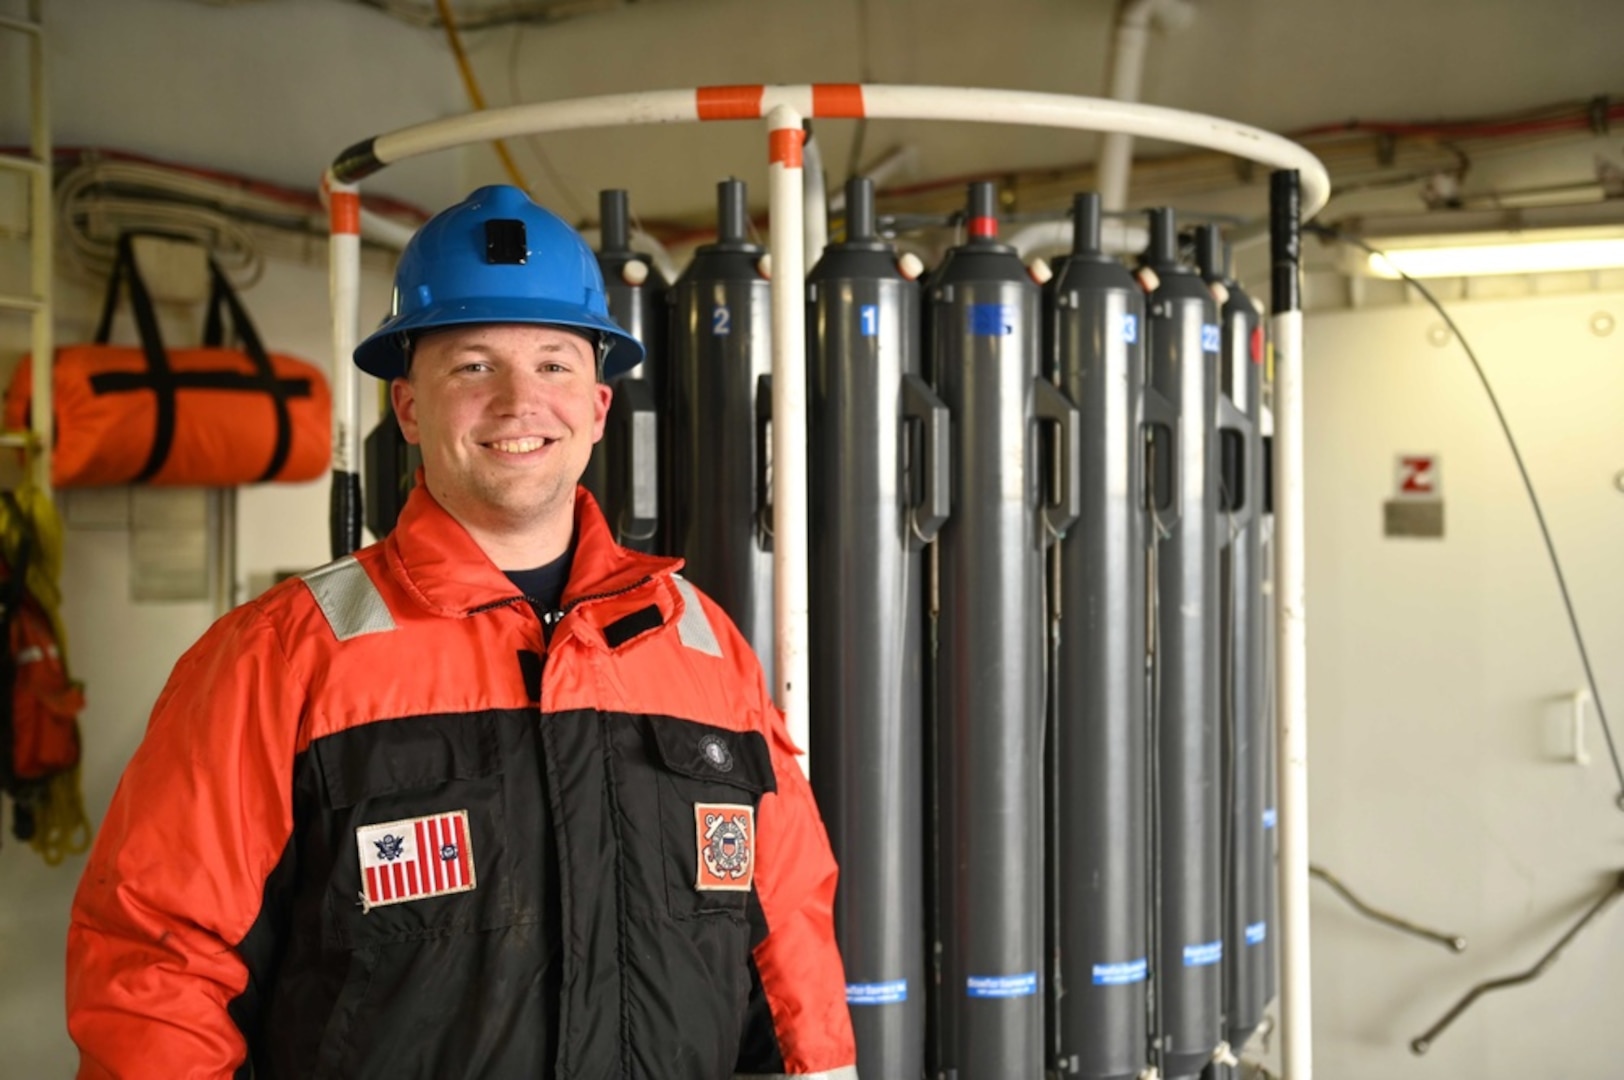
x=1415 y=518
x=169 y=544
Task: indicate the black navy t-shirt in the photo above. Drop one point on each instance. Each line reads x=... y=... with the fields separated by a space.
x=543 y=586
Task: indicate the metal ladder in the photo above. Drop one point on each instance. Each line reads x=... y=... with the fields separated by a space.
x=36 y=304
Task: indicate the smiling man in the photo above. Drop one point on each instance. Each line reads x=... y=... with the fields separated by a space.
x=494 y=797
x=506 y=416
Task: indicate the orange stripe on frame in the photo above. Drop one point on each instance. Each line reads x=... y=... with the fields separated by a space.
x=784 y=147
x=837 y=101
x=729 y=102
x=344 y=213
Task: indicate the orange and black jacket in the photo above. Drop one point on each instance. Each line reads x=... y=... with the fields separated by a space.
x=382 y=825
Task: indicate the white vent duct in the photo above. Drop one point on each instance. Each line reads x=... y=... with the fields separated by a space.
x=1134 y=25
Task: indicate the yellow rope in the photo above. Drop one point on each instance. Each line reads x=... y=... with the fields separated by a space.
x=61 y=827
x=472 y=86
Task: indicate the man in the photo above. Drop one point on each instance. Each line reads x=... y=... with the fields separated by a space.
x=494 y=797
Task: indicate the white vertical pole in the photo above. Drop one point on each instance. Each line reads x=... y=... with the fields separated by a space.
x=1292 y=687
x=41 y=266
x=1291 y=626
x=344 y=288
x=791 y=549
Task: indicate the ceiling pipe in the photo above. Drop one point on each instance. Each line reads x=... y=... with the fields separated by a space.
x=897 y=161
x=1050 y=238
x=1134 y=22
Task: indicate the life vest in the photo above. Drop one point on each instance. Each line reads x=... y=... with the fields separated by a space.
x=39 y=700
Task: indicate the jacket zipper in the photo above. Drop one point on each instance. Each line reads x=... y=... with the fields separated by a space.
x=552 y=618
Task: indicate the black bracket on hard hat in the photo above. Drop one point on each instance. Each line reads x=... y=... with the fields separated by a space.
x=505 y=242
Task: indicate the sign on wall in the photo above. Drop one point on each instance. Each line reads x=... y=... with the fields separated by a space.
x=1417 y=476
x=1416 y=509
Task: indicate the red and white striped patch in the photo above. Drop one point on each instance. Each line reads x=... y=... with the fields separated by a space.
x=415 y=858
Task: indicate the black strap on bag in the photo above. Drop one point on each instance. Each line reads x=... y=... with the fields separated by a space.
x=165 y=382
x=13 y=592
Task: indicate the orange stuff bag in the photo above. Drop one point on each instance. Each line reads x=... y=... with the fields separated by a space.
x=210 y=416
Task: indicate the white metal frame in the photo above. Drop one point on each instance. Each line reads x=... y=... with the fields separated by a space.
x=36 y=165
x=783 y=108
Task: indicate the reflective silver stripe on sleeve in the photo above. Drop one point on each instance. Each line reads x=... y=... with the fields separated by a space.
x=695 y=628
x=348 y=598
x=847 y=1073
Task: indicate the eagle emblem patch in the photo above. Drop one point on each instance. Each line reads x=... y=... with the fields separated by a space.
x=726 y=834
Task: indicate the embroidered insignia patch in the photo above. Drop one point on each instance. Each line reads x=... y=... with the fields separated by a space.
x=726 y=834
x=716 y=753
x=415 y=858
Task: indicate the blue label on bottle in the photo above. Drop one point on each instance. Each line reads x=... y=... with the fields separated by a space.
x=880 y=993
x=1121 y=974
x=1002 y=986
x=992 y=320
x=868 y=320
x=1257 y=933
x=1130 y=328
x=1268 y=818
x=1202 y=955
x=1211 y=339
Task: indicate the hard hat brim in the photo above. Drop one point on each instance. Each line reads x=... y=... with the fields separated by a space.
x=380 y=354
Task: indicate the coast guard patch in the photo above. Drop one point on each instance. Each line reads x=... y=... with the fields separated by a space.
x=726 y=834
x=415 y=858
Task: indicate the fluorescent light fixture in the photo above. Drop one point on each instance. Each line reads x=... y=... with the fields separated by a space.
x=1469 y=243
x=1530 y=256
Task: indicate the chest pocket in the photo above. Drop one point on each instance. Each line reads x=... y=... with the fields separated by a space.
x=415 y=824
x=711 y=781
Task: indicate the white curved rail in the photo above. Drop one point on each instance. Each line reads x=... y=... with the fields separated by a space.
x=848 y=101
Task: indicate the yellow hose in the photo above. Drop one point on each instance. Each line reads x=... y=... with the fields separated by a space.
x=60 y=825
x=471 y=84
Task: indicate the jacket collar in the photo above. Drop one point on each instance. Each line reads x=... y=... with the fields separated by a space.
x=444 y=570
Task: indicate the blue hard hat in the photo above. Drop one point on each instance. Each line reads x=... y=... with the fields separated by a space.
x=496 y=257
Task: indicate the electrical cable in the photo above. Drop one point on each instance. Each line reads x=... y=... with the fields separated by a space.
x=475 y=98
x=100 y=193
x=1155 y=1001
x=1229 y=734
x=1334 y=233
x=854 y=156
x=102 y=196
x=1049 y=755
x=1595 y=114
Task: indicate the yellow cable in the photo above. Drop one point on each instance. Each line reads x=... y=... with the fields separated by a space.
x=60 y=825
x=472 y=86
